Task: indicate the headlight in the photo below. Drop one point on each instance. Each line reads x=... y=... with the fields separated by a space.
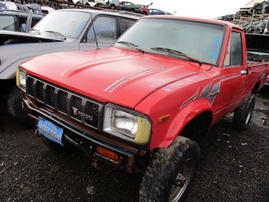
x=124 y=123
x=127 y=124
x=21 y=79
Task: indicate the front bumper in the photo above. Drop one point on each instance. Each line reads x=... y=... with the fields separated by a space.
x=85 y=138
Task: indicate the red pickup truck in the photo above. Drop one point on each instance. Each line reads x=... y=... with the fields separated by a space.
x=139 y=104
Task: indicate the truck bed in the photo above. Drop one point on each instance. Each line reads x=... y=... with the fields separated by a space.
x=257 y=56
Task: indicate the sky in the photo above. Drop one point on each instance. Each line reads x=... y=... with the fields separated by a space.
x=197 y=8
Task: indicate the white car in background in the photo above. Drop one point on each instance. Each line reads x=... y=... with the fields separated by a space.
x=96 y=3
x=46 y=9
x=60 y=31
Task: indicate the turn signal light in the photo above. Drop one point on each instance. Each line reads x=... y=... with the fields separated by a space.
x=108 y=154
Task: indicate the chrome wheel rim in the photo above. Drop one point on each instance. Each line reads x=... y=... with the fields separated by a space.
x=249 y=114
x=181 y=182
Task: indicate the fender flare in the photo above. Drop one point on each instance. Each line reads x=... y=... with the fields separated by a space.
x=189 y=112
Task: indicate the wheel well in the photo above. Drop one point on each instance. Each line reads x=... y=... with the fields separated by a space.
x=256 y=87
x=6 y=86
x=199 y=125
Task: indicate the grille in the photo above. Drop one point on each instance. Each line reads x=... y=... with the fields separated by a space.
x=79 y=108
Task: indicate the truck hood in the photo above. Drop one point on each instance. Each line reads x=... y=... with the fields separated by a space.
x=11 y=37
x=112 y=75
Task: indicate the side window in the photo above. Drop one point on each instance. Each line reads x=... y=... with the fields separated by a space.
x=125 y=24
x=22 y=23
x=104 y=29
x=234 y=51
x=8 y=23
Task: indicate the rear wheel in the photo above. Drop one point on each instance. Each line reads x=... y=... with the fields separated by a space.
x=171 y=172
x=243 y=114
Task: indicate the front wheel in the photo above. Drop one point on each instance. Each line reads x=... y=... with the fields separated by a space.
x=14 y=106
x=243 y=114
x=171 y=172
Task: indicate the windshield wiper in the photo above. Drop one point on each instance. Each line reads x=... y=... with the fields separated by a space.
x=131 y=45
x=35 y=31
x=56 y=33
x=176 y=52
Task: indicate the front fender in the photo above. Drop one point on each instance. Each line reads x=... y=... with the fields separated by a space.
x=9 y=72
x=182 y=118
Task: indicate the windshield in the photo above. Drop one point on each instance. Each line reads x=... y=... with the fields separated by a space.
x=200 y=41
x=66 y=23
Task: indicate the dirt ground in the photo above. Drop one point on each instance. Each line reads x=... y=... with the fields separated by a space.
x=234 y=166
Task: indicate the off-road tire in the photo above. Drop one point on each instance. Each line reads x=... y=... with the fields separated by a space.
x=166 y=166
x=243 y=114
x=14 y=107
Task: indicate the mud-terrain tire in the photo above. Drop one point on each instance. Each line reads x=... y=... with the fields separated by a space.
x=14 y=107
x=170 y=173
x=243 y=114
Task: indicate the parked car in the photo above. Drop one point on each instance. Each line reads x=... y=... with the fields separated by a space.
x=144 y=9
x=7 y=5
x=60 y=31
x=111 y=4
x=245 y=11
x=154 y=11
x=46 y=9
x=129 y=6
x=96 y=3
x=17 y=17
x=259 y=8
x=13 y=19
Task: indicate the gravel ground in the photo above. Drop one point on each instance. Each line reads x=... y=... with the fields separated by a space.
x=234 y=166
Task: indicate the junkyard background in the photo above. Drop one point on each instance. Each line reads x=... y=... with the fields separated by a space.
x=234 y=166
x=253 y=19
